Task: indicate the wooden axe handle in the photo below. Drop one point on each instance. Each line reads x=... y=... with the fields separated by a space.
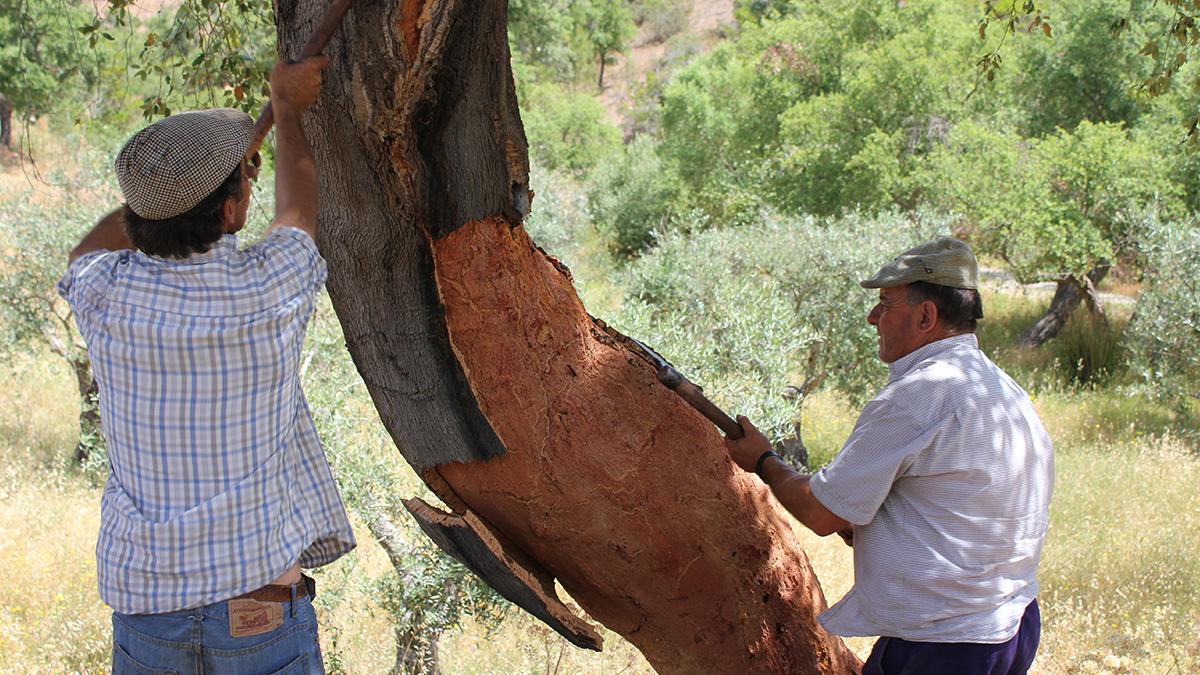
x=316 y=43
x=696 y=398
x=691 y=394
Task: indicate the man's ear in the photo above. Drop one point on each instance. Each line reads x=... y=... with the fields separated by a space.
x=228 y=214
x=929 y=316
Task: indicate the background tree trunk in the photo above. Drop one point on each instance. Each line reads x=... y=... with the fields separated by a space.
x=416 y=646
x=498 y=387
x=1067 y=295
x=6 y=110
x=90 y=432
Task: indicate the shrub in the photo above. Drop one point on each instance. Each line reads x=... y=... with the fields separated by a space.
x=558 y=218
x=663 y=18
x=632 y=199
x=1164 y=335
x=567 y=130
x=752 y=311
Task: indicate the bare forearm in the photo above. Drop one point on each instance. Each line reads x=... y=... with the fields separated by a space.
x=296 y=201
x=108 y=234
x=794 y=492
x=294 y=87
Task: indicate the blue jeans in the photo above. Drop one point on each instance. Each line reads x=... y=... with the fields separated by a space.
x=198 y=641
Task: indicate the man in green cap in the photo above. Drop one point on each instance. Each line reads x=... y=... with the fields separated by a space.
x=943 y=488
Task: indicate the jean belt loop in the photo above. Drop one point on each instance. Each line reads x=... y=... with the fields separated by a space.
x=293 y=610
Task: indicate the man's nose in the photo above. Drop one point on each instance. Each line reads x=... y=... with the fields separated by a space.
x=873 y=317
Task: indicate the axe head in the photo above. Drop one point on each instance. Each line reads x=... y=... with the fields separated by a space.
x=667 y=374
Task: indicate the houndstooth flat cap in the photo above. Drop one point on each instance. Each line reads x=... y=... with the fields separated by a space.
x=172 y=165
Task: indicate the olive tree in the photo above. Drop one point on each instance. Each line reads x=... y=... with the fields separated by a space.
x=1164 y=335
x=38 y=234
x=1056 y=209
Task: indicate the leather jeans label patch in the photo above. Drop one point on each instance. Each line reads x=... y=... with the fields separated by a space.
x=251 y=617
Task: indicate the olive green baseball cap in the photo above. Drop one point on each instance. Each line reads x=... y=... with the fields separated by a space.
x=945 y=262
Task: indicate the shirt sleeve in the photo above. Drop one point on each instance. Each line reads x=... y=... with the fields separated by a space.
x=880 y=450
x=292 y=264
x=83 y=284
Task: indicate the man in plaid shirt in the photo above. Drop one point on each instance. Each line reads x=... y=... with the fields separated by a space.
x=219 y=491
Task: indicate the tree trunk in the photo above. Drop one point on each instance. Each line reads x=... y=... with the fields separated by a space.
x=90 y=432
x=417 y=652
x=551 y=440
x=1071 y=290
x=600 y=79
x=416 y=645
x=6 y=110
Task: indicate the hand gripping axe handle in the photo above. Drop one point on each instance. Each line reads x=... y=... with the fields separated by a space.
x=316 y=43
x=676 y=382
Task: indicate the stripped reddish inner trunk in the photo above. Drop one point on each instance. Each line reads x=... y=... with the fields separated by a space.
x=601 y=462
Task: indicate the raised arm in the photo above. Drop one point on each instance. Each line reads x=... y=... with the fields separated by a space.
x=294 y=87
x=107 y=235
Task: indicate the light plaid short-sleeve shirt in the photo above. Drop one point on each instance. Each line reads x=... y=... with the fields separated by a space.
x=947 y=480
x=218 y=483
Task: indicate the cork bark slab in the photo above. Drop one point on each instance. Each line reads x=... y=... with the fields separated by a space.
x=468 y=540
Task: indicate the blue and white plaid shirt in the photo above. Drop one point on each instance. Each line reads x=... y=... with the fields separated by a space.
x=218 y=482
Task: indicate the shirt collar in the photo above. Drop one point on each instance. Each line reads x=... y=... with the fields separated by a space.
x=903 y=365
x=227 y=244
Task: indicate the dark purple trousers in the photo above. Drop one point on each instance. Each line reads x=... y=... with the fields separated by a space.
x=893 y=656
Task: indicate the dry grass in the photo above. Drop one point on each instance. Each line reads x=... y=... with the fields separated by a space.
x=828 y=419
x=524 y=645
x=1120 y=574
x=51 y=619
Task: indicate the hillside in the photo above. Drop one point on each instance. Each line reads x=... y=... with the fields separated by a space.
x=704 y=26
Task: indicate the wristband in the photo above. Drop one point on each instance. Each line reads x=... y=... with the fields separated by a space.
x=758 y=466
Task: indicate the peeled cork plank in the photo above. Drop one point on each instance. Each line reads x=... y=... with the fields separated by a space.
x=468 y=540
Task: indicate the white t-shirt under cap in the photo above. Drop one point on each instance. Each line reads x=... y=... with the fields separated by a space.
x=947 y=479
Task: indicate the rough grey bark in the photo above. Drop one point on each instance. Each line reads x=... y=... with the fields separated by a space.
x=1068 y=294
x=400 y=162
